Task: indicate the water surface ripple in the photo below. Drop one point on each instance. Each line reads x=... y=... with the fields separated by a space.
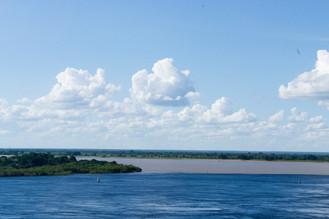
x=154 y=195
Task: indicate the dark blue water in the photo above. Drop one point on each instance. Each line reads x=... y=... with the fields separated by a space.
x=165 y=196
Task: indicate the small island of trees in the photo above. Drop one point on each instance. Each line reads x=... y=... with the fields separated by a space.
x=46 y=164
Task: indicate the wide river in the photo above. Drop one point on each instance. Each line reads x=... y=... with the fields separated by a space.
x=165 y=195
x=222 y=166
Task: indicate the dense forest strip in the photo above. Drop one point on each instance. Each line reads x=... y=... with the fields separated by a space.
x=46 y=164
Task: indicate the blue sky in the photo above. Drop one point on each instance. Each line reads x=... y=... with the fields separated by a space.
x=240 y=50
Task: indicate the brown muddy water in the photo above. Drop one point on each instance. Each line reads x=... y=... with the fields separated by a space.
x=221 y=166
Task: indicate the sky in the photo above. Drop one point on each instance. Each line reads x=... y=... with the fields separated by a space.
x=183 y=75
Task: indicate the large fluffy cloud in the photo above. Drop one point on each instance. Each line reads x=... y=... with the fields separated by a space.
x=75 y=93
x=76 y=87
x=165 y=85
x=311 y=84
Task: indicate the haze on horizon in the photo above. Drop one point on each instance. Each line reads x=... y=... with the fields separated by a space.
x=197 y=75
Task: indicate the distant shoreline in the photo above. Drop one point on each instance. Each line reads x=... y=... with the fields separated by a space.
x=217 y=166
x=161 y=154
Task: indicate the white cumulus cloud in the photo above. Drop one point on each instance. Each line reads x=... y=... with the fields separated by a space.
x=76 y=87
x=75 y=93
x=165 y=85
x=219 y=112
x=310 y=84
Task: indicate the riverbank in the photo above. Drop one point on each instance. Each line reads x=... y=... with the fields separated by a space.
x=151 y=165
